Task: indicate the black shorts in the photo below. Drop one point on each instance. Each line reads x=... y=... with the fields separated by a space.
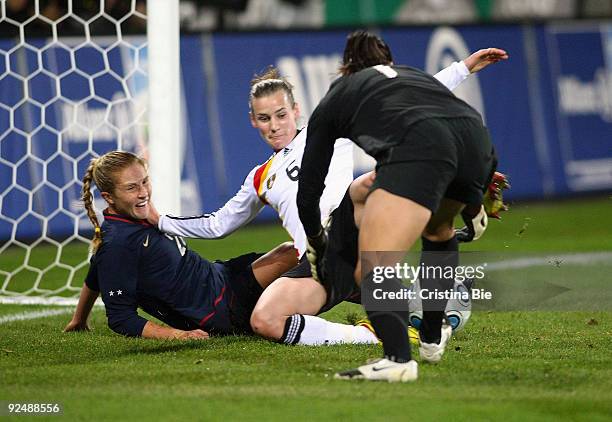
x=340 y=258
x=440 y=158
x=243 y=292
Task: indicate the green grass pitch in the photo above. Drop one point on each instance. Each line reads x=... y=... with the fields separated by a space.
x=521 y=365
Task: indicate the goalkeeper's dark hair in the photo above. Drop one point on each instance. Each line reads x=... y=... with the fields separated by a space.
x=101 y=171
x=269 y=82
x=364 y=49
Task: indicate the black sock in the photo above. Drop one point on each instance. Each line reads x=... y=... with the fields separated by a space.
x=444 y=254
x=389 y=318
x=391 y=329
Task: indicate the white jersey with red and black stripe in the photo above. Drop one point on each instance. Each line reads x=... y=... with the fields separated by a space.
x=272 y=183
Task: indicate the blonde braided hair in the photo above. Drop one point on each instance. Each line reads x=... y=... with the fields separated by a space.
x=101 y=171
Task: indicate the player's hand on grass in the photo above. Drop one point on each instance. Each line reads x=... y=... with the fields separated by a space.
x=315 y=252
x=76 y=326
x=482 y=58
x=192 y=335
x=475 y=219
x=493 y=200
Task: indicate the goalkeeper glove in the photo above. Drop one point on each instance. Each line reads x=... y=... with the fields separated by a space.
x=475 y=218
x=493 y=200
x=315 y=252
x=475 y=224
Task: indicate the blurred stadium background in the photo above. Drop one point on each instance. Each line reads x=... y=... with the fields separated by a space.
x=74 y=84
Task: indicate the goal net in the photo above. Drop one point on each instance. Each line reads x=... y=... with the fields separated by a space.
x=73 y=85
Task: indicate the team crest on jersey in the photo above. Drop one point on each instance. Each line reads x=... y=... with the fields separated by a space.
x=270 y=181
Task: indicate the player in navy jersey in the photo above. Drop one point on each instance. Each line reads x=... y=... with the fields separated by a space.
x=135 y=265
x=433 y=156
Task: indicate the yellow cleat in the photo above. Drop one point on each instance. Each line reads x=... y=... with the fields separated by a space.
x=413 y=333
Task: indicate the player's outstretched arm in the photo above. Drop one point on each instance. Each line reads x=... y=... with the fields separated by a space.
x=83 y=309
x=482 y=58
x=237 y=212
x=152 y=330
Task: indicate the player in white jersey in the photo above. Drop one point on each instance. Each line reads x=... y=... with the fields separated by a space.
x=274 y=112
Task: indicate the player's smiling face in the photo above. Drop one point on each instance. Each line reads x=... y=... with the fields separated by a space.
x=275 y=118
x=132 y=192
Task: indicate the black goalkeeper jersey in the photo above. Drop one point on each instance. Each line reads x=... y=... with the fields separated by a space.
x=139 y=266
x=375 y=108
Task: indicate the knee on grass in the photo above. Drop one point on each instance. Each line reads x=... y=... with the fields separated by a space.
x=267 y=324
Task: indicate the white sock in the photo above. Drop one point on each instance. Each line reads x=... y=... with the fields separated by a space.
x=313 y=331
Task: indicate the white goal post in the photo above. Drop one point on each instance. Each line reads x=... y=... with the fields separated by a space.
x=76 y=83
x=163 y=34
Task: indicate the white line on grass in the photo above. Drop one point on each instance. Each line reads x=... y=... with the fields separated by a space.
x=577 y=259
x=37 y=300
x=23 y=316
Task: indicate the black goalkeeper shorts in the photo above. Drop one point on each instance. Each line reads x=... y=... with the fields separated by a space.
x=340 y=258
x=440 y=158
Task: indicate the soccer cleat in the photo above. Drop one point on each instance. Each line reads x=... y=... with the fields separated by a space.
x=382 y=370
x=413 y=333
x=432 y=352
x=493 y=200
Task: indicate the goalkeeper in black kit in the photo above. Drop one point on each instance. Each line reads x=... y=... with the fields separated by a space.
x=433 y=157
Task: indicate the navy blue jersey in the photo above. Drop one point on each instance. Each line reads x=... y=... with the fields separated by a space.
x=139 y=266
